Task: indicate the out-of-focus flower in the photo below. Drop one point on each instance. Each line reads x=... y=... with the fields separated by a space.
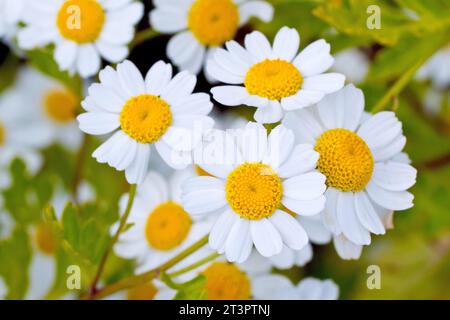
x=202 y=26
x=437 y=69
x=161 y=227
x=260 y=174
x=277 y=287
x=3 y=289
x=365 y=179
x=155 y=290
x=275 y=79
x=158 y=110
x=50 y=106
x=352 y=63
x=83 y=31
x=11 y=12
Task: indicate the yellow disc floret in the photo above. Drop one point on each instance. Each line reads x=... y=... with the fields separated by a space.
x=146 y=291
x=60 y=105
x=224 y=281
x=345 y=159
x=254 y=190
x=145 y=118
x=213 y=22
x=45 y=239
x=167 y=226
x=81 y=21
x=273 y=79
x=2 y=134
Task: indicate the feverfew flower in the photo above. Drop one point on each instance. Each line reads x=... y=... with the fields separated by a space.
x=51 y=106
x=202 y=26
x=158 y=111
x=263 y=173
x=360 y=158
x=161 y=227
x=10 y=14
x=274 y=79
x=278 y=287
x=83 y=31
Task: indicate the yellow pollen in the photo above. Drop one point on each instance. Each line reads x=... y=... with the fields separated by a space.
x=167 y=226
x=225 y=281
x=45 y=239
x=60 y=105
x=2 y=134
x=146 y=291
x=202 y=173
x=145 y=118
x=213 y=22
x=273 y=79
x=80 y=21
x=254 y=190
x=345 y=159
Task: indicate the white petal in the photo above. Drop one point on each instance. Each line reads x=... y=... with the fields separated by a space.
x=221 y=229
x=202 y=195
x=380 y=130
x=307 y=186
x=394 y=176
x=302 y=99
x=393 y=200
x=168 y=19
x=254 y=8
x=258 y=46
x=280 y=145
x=286 y=44
x=292 y=233
x=158 y=77
x=346 y=249
x=130 y=78
x=239 y=242
x=137 y=171
x=179 y=87
x=329 y=214
x=304 y=124
x=66 y=54
x=266 y=238
x=270 y=113
x=106 y=98
x=302 y=159
x=314 y=59
x=326 y=82
x=98 y=123
x=304 y=207
x=348 y=220
x=230 y=95
x=88 y=60
x=367 y=214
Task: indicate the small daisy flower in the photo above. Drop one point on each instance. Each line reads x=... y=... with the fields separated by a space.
x=278 y=287
x=275 y=78
x=158 y=111
x=83 y=31
x=264 y=174
x=437 y=69
x=52 y=106
x=10 y=15
x=202 y=26
x=161 y=227
x=359 y=158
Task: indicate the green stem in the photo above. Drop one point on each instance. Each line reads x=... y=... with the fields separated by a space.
x=143 y=36
x=105 y=256
x=149 y=275
x=79 y=167
x=194 y=265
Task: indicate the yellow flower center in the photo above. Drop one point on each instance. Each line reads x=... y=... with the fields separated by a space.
x=146 y=291
x=213 y=22
x=225 y=281
x=167 y=226
x=145 y=118
x=60 y=105
x=254 y=190
x=45 y=239
x=80 y=21
x=2 y=134
x=273 y=79
x=345 y=159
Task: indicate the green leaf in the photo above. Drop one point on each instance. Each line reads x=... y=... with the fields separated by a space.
x=8 y=72
x=193 y=289
x=15 y=257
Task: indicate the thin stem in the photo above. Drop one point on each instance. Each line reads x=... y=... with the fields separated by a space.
x=79 y=167
x=149 y=275
x=435 y=163
x=105 y=256
x=398 y=86
x=194 y=265
x=143 y=36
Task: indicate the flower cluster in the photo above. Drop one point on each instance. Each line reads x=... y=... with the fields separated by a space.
x=312 y=166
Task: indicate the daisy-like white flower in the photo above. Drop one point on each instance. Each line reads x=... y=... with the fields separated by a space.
x=263 y=174
x=161 y=227
x=202 y=26
x=51 y=106
x=437 y=69
x=10 y=14
x=360 y=159
x=158 y=110
x=277 y=287
x=275 y=78
x=82 y=31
